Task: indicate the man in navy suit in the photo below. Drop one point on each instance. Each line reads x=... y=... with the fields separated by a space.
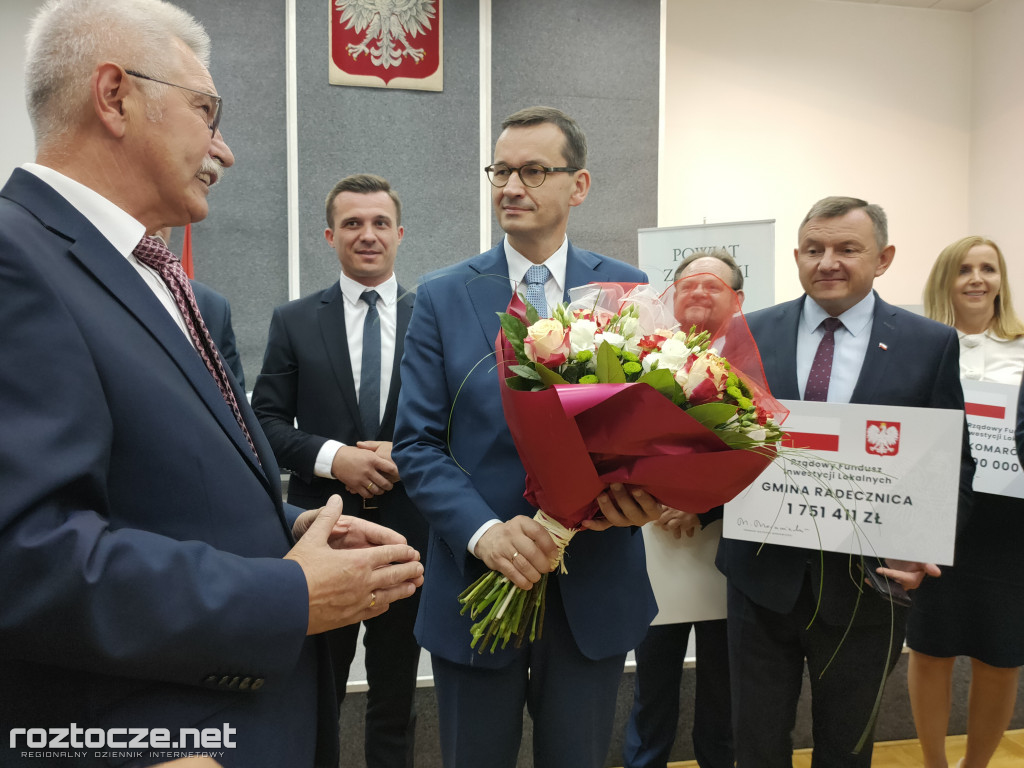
x=306 y=399
x=151 y=578
x=787 y=605
x=460 y=466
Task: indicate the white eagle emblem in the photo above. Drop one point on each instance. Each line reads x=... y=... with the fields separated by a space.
x=883 y=438
x=386 y=23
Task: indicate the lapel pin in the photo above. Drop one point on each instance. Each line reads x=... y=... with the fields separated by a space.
x=883 y=347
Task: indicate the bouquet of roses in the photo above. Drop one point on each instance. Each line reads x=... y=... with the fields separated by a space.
x=608 y=390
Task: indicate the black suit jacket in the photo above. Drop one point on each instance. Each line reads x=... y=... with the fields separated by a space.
x=216 y=312
x=307 y=376
x=919 y=367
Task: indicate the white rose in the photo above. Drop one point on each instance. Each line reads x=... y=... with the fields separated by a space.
x=581 y=335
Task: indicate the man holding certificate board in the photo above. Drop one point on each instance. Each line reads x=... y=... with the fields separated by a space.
x=795 y=561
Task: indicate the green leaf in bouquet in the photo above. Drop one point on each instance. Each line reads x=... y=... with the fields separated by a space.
x=609 y=369
x=663 y=381
x=525 y=371
x=532 y=315
x=712 y=414
x=515 y=332
x=548 y=376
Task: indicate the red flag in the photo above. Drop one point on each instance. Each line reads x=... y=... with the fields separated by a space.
x=186 y=253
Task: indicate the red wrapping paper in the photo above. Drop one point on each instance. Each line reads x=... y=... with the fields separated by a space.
x=574 y=440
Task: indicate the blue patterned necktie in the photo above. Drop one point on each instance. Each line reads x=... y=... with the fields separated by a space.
x=821 y=369
x=369 y=374
x=536 y=277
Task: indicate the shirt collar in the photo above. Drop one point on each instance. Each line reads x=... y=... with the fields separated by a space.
x=119 y=227
x=556 y=263
x=855 y=320
x=352 y=290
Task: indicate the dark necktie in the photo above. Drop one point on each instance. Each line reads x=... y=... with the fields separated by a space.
x=369 y=374
x=536 y=277
x=156 y=255
x=821 y=369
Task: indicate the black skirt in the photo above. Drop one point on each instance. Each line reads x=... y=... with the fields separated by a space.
x=976 y=608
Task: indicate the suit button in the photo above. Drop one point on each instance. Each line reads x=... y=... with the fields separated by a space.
x=245 y=684
x=258 y=683
x=223 y=682
x=233 y=685
x=210 y=680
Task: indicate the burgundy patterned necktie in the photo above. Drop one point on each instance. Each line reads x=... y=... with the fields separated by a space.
x=821 y=369
x=156 y=255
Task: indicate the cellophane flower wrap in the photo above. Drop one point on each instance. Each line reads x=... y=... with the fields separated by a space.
x=611 y=390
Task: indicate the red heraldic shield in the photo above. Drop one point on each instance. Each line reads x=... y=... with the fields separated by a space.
x=882 y=438
x=386 y=43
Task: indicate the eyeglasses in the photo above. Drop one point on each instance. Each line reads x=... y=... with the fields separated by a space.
x=531 y=174
x=215 y=111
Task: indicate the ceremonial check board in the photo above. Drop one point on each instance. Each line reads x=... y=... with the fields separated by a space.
x=991 y=419
x=871 y=479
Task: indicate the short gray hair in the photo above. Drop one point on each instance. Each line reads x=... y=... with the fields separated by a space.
x=68 y=38
x=833 y=207
x=714 y=253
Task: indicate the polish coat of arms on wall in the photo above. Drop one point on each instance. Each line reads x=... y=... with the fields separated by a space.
x=387 y=44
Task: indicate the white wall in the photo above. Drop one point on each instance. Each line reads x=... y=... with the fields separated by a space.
x=16 y=144
x=997 y=141
x=770 y=106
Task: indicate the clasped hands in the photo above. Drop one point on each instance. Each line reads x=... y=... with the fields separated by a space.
x=366 y=468
x=522 y=549
x=354 y=569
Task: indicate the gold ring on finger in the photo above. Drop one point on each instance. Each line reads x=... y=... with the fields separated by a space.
x=373 y=599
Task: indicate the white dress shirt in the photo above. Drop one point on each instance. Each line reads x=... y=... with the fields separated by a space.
x=987 y=357
x=851 y=345
x=121 y=229
x=554 y=288
x=355 y=315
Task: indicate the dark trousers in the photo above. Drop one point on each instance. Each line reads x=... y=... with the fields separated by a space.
x=767 y=651
x=570 y=698
x=651 y=730
x=392 y=656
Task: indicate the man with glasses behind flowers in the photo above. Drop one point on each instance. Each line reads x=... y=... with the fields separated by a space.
x=151 y=579
x=701 y=300
x=461 y=469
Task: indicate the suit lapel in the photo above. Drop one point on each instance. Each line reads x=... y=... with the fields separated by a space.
x=488 y=289
x=331 y=317
x=778 y=352
x=403 y=312
x=580 y=269
x=111 y=269
x=883 y=350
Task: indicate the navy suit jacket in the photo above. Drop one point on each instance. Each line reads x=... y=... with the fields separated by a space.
x=920 y=367
x=216 y=312
x=461 y=468
x=143 y=583
x=307 y=375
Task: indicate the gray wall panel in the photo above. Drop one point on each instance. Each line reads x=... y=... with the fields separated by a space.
x=424 y=142
x=597 y=61
x=241 y=248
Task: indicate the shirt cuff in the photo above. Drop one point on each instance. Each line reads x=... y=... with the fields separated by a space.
x=325 y=459
x=480 y=532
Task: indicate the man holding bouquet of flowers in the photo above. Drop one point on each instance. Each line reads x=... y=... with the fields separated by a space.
x=838 y=343
x=461 y=469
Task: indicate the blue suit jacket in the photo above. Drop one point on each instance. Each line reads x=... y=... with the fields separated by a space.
x=461 y=468
x=919 y=368
x=142 y=581
x=307 y=375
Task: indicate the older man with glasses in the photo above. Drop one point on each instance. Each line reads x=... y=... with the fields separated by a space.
x=461 y=469
x=153 y=599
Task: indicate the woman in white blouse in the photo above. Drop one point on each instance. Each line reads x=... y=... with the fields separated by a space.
x=976 y=608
